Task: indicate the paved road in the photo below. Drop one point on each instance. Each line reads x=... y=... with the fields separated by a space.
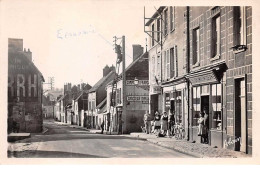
x=65 y=142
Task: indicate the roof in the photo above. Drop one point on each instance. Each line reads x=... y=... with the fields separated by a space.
x=62 y=97
x=99 y=83
x=101 y=104
x=155 y=15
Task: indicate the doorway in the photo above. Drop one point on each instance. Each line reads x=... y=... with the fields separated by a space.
x=154 y=104
x=240 y=116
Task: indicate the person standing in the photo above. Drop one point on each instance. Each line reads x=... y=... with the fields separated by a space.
x=171 y=124
x=157 y=123
x=147 y=122
x=164 y=123
x=201 y=129
x=206 y=124
x=102 y=127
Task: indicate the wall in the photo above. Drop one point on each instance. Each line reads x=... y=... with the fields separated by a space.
x=24 y=93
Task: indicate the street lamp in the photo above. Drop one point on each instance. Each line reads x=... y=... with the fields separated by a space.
x=136 y=81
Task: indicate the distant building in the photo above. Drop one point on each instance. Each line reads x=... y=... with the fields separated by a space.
x=97 y=94
x=24 y=90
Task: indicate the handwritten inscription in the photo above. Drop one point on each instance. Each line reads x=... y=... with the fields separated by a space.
x=65 y=34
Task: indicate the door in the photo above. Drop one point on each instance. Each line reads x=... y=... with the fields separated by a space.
x=240 y=116
x=154 y=104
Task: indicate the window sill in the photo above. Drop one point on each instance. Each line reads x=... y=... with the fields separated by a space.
x=215 y=58
x=197 y=64
x=239 y=48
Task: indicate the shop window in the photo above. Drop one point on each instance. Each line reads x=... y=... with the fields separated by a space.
x=172 y=19
x=166 y=22
x=152 y=34
x=195 y=46
x=196 y=105
x=178 y=107
x=216 y=106
x=158 y=30
x=215 y=43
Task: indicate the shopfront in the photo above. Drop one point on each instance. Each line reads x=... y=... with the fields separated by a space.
x=175 y=102
x=207 y=92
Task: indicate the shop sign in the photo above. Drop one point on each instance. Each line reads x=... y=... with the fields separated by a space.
x=155 y=89
x=202 y=79
x=137 y=98
x=140 y=82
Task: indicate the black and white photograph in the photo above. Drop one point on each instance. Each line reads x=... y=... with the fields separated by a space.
x=127 y=80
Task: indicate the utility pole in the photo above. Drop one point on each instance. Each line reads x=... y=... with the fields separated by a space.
x=123 y=117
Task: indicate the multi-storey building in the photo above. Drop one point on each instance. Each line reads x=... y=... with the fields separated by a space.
x=137 y=96
x=167 y=63
x=217 y=67
x=24 y=90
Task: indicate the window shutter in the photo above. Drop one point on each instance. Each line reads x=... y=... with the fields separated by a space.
x=176 y=61
x=172 y=66
x=168 y=64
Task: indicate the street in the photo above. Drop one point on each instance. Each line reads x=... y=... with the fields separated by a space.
x=62 y=141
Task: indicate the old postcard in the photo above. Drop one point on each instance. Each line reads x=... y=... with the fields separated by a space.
x=122 y=82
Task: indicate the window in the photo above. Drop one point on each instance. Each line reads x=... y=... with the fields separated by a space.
x=152 y=34
x=158 y=30
x=215 y=44
x=167 y=72
x=172 y=15
x=195 y=45
x=165 y=22
x=216 y=106
x=196 y=105
x=239 y=26
x=172 y=62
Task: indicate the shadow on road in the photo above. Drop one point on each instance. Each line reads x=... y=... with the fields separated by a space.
x=49 y=154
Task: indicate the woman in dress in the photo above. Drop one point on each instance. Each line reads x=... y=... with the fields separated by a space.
x=164 y=123
x=201 y=129
x=157 y=123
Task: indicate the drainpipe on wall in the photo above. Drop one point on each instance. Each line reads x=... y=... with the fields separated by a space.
x=188 y=69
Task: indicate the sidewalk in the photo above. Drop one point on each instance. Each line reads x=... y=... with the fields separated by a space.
x=194 y=149
x=94 y=131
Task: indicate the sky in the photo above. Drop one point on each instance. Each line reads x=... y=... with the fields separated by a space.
x=73 y=41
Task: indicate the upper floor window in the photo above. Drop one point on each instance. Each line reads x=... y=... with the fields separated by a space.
x=174 y=62
x=152 y=34
x=215 y=46
x=239 y=26
x=166 y=22
x=172 y=19
x=158 y=30
x=195 y=46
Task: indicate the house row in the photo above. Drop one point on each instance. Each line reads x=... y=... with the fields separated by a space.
x=102 y=103
x=201 y=58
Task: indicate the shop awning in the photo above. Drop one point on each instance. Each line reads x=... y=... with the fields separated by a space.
x=208 y=75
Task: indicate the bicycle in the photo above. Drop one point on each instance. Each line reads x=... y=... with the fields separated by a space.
x=179 y=132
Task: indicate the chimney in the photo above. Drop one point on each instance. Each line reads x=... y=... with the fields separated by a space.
x=69 y=86
x=78 y=87
x=138 y=50
x=105 y=71
x=28 y=54
x=65 y=88
x=15 y=45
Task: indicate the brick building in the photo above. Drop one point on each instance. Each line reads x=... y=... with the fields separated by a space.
x=217 y=68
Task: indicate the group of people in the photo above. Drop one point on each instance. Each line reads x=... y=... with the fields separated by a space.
x=203 y=126
x=159 y=124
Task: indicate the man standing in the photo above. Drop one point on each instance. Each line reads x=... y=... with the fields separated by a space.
x=147 y=122
x=206 y=124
